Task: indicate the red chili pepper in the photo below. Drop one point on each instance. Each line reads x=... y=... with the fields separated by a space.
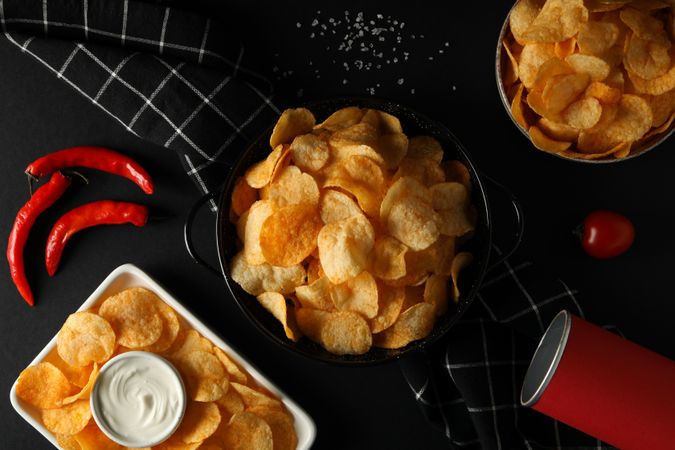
x=103 y=212
x=94 y=158
x=42 y=199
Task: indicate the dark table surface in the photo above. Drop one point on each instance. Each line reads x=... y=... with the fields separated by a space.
x=449 y=75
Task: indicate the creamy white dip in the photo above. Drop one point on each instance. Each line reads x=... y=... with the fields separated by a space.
x=138 y=399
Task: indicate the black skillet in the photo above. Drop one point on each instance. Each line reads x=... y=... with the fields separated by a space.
x=479 y=245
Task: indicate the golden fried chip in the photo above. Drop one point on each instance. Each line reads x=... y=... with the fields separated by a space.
x=260 y=174
x=388 y=258
x=595 y=37
x=425 y=170
x=316 y=295
x=536 y=104
x=405 y=186
x=550 y=69
x=346 y=151
x=390 y=300
x=133 y=316
x=557 y=131
x=309 y=152
x=562 y=90
x=342 y=118
x=457 y=172
x=67 y=442
x=436 y=293
x=257 y=215
x=517 y=108
x=603 y=92
x=283 y=162
x=335 y=206
x=92 y=438
x=596 y=68
x=358 y=294
x=583 y=114
x=281 y=423
x=293 y=187
x=231 y=402
x=43 y=386
x=345 y=333
x=393 y=148
x=314 y=270
x=383 y=122
x=86 y=390
x=263 y=277
x=644 y=25
x=78 y=376
x=289 y=235
x=85 y=338
x=292 y=123
x=67 y=420
x=461 y=261
x=655 y=86
x=170 y=328
x=662 y=106
x=358 y=134
x=236 y=374
x=414 y=323
x=204 y=375
x=200 y=421
x=252 y=397
x=425 y=147
x=193 y=342
x=311 y=321
x=647 y=59
x=558 y=20
x=414 y=223
x=665 y=126
x=243 y=196
x=565 y=48
x=451 y=202
x=344 y=247
x=510 y=71
x=363 y=178
x=522 y=15
x=543 y=142
x=275 y=303
x=248 y=431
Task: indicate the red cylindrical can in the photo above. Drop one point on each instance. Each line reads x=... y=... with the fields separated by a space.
x=603 y=385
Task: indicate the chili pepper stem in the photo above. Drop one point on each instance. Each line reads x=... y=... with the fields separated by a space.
x=31 y=179
x=70 y=173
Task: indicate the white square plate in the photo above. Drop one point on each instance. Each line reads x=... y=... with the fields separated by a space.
x=127 y=276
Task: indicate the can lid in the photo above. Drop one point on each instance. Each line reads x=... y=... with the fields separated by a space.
x=546 y=358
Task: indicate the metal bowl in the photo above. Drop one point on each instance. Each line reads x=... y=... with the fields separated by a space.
x=636 y=150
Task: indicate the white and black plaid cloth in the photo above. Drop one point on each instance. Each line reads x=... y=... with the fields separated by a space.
x=468 y=384
x=175 y=79
x=171 y=77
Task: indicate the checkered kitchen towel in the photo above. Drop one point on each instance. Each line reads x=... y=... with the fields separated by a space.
x=175 y=79
x=468 y=384
x=168 y=76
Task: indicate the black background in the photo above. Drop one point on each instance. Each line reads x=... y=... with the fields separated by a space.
x=362 y=408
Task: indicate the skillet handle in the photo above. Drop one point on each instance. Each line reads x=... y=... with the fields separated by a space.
x=187 y=231
x=520 y=221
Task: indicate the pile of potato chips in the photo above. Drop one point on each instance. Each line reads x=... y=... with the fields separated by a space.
x=591 y=79
x=349 y=229
x=226 y=409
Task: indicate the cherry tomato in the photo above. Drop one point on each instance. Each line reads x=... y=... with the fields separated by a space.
x=606 y=234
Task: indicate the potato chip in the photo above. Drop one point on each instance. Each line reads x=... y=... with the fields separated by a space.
x=662 y=106
x=358 y=294
x=204 y=376
x=451 y=202
x=263 y=277
x=344 y=247
x=91 y=438
x=461 y=261
x=235 y=373
x=175 y=443
x=414 y=223
x=545 y=143
x=133 y=316
x=562 y=90
x=390 y=301
x=258 y=175
x=243 y=196
x=309 y=152
x=425 y=170
x=364 y=179
x=548 y=70
x=646 y=59
x=598 y=6
x=436 y=293
x=558 y=20
x=425 y=147
x=248 y=431
x=620 y=149
x=67 y=420
x=393 y=148
x=596 y=68
x=532 y=58
x=86 y=389
x=257 y=215
x=603 y=92
x=43 y=385
x=358 y=134
x=193 y=342
x=241 y=226
x=281 y=424
x=557 y=131
x=292 y=123
x=583 y=114
x=657 y=86
x=289 y=235
x=342 y=118
x=388 y=258
x=170 y=328
x=457 y=172
x=293 y=187
x=252 y=397
x=346 y=151
x=67 y=442
x=413 y=296
x=383 y=122
x=517 y=108
x=510 y=74
x=414 y=323
x=595 y=37
x=314 y=269
x=230 y=403
x=200 y=421
x=644 y=26
x=275 y=303
x=335 y=206
x=522 y=15
x=404 y=186
x=85 y=338
x=345 y=333
x=565 y=48
x=316 y=295
x=536 y=104
x=310 y=321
